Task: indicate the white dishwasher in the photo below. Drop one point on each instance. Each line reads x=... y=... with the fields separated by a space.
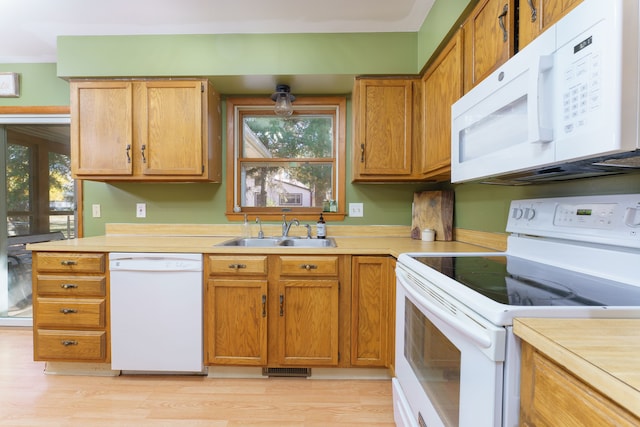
x=156 y=312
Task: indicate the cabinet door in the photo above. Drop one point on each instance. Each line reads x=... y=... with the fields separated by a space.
x=170 y=120
x=308 y=322
x=237 y=322
x=535 y=16
x=552 y=396
x=101 y=128
x=488 y=39
x=383 y=128
x=370 y=314
x=442 y=86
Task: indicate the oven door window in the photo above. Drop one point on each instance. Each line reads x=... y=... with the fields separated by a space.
x=435 y=362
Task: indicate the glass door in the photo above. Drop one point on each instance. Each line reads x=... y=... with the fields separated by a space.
x=39 y=204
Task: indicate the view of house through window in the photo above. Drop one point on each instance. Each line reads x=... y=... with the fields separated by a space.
x=289 y=164
x=39 y=204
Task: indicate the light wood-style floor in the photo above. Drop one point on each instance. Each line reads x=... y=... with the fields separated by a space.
x=28 y=397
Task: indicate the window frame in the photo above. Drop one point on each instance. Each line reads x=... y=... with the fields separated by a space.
x=236 y=108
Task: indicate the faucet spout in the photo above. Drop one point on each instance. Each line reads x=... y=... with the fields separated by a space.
x=286 y=226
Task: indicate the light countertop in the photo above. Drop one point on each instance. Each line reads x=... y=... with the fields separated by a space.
x=604 y=353
x=350 y=240
x=207 y=244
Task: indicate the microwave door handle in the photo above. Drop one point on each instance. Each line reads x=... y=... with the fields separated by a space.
x=538 y=102
x=471 y=332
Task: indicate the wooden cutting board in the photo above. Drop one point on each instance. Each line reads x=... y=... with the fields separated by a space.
x=432 y=209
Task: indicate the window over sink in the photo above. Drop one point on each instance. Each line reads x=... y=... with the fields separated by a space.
x=293 y=165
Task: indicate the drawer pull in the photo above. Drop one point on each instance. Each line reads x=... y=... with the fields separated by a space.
x=69 y=262
x=67 y=343
x=237 y=266
x=264 y=306
x=68 y=286
x=68 y=310
x=309 y=266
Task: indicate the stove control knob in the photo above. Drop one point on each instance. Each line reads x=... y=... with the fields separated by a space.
x=529 y=214
x=632 y=217
x=516 y=213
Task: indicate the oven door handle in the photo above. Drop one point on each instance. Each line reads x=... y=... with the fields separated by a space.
x=470 y=331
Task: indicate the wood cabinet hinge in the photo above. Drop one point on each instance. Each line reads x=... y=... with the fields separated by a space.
x=202 y=87
x=338 y=356
x=202 y=168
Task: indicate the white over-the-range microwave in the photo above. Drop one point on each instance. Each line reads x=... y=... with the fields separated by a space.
x=566 y=106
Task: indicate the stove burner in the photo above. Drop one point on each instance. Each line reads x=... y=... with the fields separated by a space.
x=517 y=282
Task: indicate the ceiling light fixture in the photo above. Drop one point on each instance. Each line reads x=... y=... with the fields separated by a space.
x=283 y=100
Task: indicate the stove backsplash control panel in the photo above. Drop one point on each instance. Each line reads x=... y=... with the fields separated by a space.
x=607 y=219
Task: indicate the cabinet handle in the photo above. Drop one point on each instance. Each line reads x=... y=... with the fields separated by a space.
x=144 y=159
x=308 y=266
x=361 y=153
x=67 y=343
x=501 y=18
x=237 y=266
x=281 y=305
x=68 y=310
x=264 y=306
x=68 y=286
x=128 y=151
x=534 y=11
x=69 y=262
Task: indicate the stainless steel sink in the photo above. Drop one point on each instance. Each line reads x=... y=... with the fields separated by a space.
x=252 y=242
x=272 y=242
x=309 y=243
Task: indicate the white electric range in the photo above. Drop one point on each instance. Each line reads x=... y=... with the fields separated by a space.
x=457 y=360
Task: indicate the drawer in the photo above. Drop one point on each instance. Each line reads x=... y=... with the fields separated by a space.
x=70 y=345
x=308 y=265
x=70 y=262
x=237 y=265
x=73 y=313
x=73 y=286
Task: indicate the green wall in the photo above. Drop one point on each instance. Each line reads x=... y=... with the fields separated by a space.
x=39 y=86
x=238 y=54
x=331 y=59
x=205 y=203
x=441 y=19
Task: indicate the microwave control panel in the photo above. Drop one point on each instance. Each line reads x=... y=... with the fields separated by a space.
x=580 y=75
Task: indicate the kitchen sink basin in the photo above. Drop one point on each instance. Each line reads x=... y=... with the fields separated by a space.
x=252 y=242
x=272 y=242
x=309 y=243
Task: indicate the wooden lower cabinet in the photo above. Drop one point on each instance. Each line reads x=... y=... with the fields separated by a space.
x=372 y=322
x=71 y=307
x=272 y=310
x=307 y=314
x=552 y=396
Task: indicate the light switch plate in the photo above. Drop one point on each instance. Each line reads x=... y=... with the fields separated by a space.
x=95 y=210
x=141 y=210
x=356 y=209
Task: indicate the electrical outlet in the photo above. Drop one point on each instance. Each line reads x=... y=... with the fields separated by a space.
x=141 y=210
x=95 y=209
x=356 y=209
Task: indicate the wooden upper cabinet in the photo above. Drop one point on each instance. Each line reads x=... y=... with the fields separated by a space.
x=441 y=86
x=489 y=39
x=101 y=128
x=145 y=130
x=383 y=129
x=171 y=128
x=535 y=16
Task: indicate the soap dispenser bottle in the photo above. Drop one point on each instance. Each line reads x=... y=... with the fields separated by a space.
x=246 y=227
x=321 y=228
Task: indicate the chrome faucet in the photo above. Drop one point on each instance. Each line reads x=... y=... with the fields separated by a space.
x=287 y=225
x=308 y=230
x=260 y=233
